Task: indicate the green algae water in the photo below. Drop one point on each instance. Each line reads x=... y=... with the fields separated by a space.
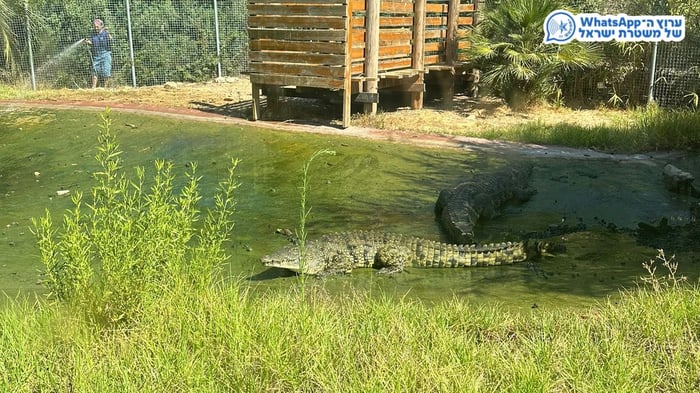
x=367 y=185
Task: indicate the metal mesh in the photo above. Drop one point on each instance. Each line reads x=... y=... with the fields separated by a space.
x=171 y=41
x=626 y=79
x=677 y=77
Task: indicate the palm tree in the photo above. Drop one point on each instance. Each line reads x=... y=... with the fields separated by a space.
x=7 y=37
x=507 y=46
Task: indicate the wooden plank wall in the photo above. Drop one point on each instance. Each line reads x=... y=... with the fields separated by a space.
x=298 y=42
x=322 y=43
x=396 y=32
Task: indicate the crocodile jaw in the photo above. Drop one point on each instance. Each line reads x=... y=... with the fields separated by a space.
x=288 y=258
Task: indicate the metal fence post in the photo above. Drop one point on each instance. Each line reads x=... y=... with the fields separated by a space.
x=29 y=45
x=652 y=73
x=218 y=44
x=131 y=44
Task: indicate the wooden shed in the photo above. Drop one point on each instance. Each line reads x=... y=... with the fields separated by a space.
x=354 y=47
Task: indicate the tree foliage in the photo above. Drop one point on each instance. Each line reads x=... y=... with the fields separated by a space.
x=172 y=40
x=508 y=47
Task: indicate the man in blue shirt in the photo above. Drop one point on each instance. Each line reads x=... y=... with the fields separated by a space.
x=101 y=47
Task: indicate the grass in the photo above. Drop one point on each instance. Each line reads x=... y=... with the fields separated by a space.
x=180 y=335
x=224 y=339
x=631 y=131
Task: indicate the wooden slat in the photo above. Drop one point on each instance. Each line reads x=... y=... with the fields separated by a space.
x=358 y=68
x=297 y=35
x=397 y=7
x=433 y=59
x=395 y=51
x=463 y=44
x=465 y=20
x=297 y=46
x=396 y=21
x=395 y=35
x=390 y=21
x=433 y=21
x=392 y=64
x=434 y=46
x=342 y=2
x=433 y=34
x=295 y=9
x=357 y=54
x=292 y=80
x=357 y=5
x=298 y=69
x=435 y=8
x=297 y=22
x=297 y=57
x=358 y=37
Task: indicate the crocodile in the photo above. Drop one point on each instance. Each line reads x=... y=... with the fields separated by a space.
x=458 y=209
x=341 y=252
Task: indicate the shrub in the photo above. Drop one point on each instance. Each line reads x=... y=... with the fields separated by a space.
x=131 y=243
x=508 y=47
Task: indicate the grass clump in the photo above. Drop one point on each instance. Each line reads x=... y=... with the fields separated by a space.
x=223 y=338
x=131 y=241
x=645 y=130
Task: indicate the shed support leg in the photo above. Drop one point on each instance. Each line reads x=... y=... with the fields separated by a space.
x=347 y=104
x=417 y=96
x=446 y=79
x=256 y=102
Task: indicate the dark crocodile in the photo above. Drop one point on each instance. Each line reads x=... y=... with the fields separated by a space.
x=458 y=209
x=341 y=252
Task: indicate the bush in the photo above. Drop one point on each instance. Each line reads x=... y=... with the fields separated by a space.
x=517 y=66
x=131 y=243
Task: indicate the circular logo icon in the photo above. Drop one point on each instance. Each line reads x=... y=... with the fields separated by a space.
x=559 y=27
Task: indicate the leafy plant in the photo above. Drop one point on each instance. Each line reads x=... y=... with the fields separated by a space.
x=305 y=211
x=131 y=243
x=508 y=47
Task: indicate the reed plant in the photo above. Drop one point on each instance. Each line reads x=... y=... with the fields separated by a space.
x=130 y=241
x=305 y=211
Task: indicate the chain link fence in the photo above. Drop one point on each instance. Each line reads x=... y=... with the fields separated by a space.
x=635 y=74
x=198 y=40
x=153 y=41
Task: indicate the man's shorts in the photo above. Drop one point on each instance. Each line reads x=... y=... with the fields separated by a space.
x=102 y=65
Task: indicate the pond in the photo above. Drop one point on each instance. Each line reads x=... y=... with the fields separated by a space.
x=367 y=185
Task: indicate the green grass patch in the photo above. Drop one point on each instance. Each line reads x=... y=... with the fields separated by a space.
x=649 y=129
x=134 y=307
x=223 y=339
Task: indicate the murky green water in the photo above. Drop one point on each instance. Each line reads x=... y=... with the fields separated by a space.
x=367 y=185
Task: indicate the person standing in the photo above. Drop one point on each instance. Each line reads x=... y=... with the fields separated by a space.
x=101 y=47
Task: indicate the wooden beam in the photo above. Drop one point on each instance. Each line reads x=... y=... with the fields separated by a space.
x=295 y=80
x=296 y=9
x=452 y=25
x=297 y=35
x=256 y=101
x=372 y=52
x=347 y=80
x=417 y=62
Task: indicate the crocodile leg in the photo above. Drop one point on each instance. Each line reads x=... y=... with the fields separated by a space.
x=392 y=260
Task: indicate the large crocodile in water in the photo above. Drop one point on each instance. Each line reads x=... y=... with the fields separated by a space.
x=458 y=209
x=341 y=252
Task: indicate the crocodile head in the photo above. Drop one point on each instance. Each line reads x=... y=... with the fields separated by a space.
x=288 y=258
